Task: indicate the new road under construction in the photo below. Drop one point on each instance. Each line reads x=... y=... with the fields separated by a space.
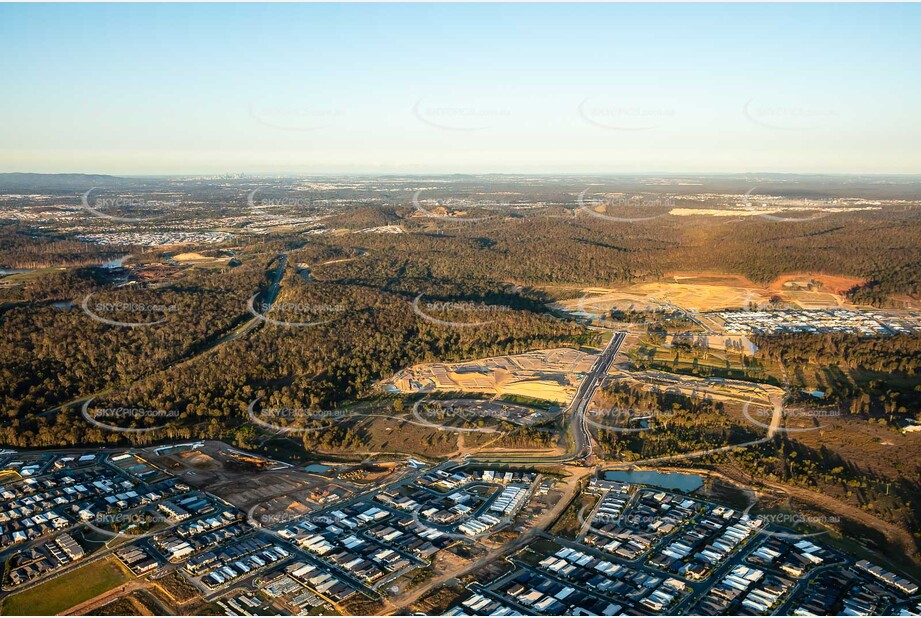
x=579 y=439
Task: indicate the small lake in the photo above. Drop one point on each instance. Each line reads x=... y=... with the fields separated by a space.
x=665 y=480
x=317 y=468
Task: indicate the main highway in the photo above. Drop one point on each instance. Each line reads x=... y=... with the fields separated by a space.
x=580 y=440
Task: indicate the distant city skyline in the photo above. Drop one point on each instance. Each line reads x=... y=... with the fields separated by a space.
x=317 y=89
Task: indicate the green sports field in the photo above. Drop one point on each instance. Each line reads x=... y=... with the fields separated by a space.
x=62 y=593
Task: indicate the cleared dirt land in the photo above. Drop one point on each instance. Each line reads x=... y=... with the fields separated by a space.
x=716 y=388
x=834 y=284
x=714 y=292
x=246 y=479
x=197 y=259
x=550 y=375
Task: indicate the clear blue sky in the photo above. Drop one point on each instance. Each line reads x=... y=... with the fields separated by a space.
x=412 y=88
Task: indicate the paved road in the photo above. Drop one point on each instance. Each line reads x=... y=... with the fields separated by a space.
x=580 y=440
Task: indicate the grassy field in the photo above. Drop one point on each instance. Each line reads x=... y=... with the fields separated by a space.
x=29 y=275
x=62 y=593
x=704 y=363
x=529 y=402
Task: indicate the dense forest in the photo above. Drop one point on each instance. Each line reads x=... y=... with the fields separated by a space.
x=22 y=249
x=861 y=375
x=366 y=331
x=898 y=354
x=559 y=246
x=821 y=469
x=676 y=423
x=359 y=288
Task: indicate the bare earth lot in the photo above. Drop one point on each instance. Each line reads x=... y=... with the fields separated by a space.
x=714 y=292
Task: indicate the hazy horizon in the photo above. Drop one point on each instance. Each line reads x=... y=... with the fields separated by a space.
x=441 y=89
x=369 y=174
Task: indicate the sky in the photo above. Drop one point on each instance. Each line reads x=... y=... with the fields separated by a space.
x=460 y=88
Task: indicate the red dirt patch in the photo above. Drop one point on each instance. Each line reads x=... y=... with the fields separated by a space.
x=836 y=284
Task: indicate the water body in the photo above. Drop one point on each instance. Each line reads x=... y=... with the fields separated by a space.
x=317 y=469
x=12 y=271
x=665 y=480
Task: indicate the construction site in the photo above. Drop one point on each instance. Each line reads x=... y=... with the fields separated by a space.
x=549 y=375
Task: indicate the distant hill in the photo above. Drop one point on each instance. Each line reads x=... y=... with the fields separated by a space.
x=367 y=216
x=27 y=182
